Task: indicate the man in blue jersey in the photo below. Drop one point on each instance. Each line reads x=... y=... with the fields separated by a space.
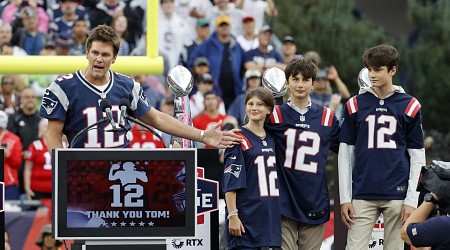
x=421 y=231
x=380 y=155
x=304 y=132
x=71 y=103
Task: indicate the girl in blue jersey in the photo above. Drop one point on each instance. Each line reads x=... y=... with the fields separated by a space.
x=250 y=180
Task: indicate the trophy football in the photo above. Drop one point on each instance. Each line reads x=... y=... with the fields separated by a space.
x=363 y=78
x=274 y=80
x=180 y=83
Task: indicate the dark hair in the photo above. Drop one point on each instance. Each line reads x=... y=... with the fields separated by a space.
x=209 y=92
x=301 y=66
x=381 y=55
x=106 y=34
x=264 y=95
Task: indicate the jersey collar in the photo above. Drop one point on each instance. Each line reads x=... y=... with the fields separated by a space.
x=93 y=88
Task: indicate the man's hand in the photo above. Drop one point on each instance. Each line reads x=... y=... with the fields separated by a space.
x=221 y=139
x=348 y=214
x=332 y=73
x=235 y=226
x=406 y=212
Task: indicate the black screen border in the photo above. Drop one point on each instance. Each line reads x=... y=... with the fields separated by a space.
x=61 y=231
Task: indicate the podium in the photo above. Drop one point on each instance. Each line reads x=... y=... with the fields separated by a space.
x=124 y=197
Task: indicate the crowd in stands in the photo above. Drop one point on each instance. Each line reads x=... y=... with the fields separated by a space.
x=227 y=45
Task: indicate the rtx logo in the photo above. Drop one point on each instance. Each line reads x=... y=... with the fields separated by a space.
x=179 y=243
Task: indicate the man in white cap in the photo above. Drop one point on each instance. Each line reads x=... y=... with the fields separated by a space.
x=12 y=147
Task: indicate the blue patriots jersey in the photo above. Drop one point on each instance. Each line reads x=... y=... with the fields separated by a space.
x=381 y=131
x=302 y=145
x=74 y=101
x=250 y=170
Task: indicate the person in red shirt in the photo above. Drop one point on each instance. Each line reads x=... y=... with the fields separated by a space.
x=142 y=138
x=37 y=176
x=210 y=115
x=12 y=147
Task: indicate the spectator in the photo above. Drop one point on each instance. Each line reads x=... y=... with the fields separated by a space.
x=120 y=25
x=106 y=10
x=237 y=108
x=289 y=50
x=37 y=176
x=152 y=88
x=140 y=137
x=191 y=11
x=45 y=240
x=12 y=147
x=64 y=45
x=225 y=58
x=49 y=49
x=263 y=57
x=322 y=93
x=80 y=31
x=204 y=84
x=201 y=66
x=210 y=115
x=314 y=57
x=225 y=8
x=62 y=25
x=202 y=31
x=29 y=37
x=172 y=32
x=5 y=40
x=66 y=7
x=248 y=40
x=14 y=11
x=257 y=9
x=9 y=101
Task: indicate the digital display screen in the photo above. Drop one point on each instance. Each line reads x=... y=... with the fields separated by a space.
x=125 y=193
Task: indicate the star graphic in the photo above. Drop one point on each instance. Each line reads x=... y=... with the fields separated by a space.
x=141 y=224
x=113 y=224
x=123 y=224
x=132 y=223
x=146 y=163
x=105 y=224
x=136 y=163
x=151 y=224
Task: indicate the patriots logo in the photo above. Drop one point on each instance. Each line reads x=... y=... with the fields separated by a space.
x=233 y=169
x=143 y=98
x=48 y=104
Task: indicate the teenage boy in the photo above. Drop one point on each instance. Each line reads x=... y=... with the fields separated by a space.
x=380 y=155
x=303 y=132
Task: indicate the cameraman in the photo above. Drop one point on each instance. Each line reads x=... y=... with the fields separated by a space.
x=420 y=231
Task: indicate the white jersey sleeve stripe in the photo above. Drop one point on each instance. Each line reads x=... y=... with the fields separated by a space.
x=59 y=93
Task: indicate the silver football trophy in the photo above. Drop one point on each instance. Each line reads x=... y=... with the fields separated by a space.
x=274 y=80
x=180 y=83
x=363 y=78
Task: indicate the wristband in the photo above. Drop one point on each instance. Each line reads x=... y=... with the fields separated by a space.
x=202 y=135
x=232 y=213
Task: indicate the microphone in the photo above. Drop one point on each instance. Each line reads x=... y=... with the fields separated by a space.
x=125 y=106
x=106 y=106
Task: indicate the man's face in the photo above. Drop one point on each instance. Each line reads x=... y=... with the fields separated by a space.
x=80 y=29
x=299 y=87
x=264 y=38
x=28 y=99
x=100 y=57
x=288 y=49
x=223 y=29
x=203 y=31
x=30 y=23
x=167 y=7
x=48 y=241
x=249 y=27
x=7 y=85
x=321 y=84
x=5 y=35
x=68 y=7
x=211 y=102
x=7 y=50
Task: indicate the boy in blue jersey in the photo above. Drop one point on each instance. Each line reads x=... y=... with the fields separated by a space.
x=304 y=133
x=380 y=154
x=250 y=180
x=71 y=103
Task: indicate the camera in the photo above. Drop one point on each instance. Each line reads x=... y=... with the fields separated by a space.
x=436 y=179
x=4 y=145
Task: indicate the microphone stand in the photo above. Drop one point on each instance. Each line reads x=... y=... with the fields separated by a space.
x=78 y=135
x=146 y=127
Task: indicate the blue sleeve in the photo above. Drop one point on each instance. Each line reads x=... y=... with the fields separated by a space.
x=414 y=133
x=234 y=169
x=143 y=105
x=432 y=232
x=54 y=103
x=248 y=56
x=348 y=128
x=278 y=57
x=335 y=139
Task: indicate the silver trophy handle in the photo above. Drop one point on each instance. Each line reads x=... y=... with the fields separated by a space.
x=274 y=80
x=180 y=83
x=363 y=78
